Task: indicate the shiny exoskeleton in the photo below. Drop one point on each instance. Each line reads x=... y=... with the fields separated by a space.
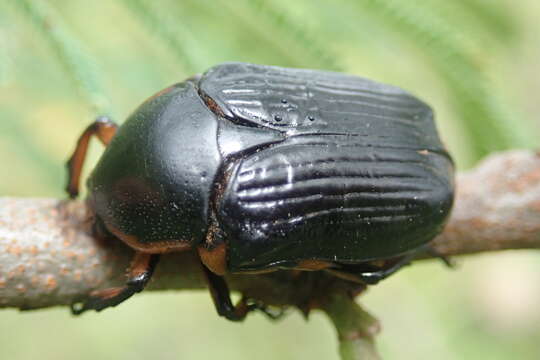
x=260 y=168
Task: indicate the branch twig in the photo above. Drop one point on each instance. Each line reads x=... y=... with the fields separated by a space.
x=47 y=257
x=355 y=327
x=497 y=206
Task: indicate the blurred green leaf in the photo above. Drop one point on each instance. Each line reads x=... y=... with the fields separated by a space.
x=480 y=108
x=79 y=65
x=166 y=28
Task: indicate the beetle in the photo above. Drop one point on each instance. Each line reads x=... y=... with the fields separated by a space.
x=261 y=168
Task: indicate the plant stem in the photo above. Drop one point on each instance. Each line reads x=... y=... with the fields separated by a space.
x=355 y=327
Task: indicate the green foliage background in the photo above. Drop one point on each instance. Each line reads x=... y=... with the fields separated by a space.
x=476 y=62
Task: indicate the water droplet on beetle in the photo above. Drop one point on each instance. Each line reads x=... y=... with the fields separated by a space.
x=283 y=101
x=311 y=118
x=278 y=118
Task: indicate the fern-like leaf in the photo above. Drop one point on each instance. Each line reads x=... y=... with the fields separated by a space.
x=478 y=107
x=78 y=64
x=168 y=29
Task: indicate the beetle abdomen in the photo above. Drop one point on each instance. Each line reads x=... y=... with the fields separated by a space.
x=333 y=198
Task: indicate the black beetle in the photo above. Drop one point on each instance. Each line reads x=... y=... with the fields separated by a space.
x=260 y=168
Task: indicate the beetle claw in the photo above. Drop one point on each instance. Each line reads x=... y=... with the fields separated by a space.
x=89 y=303
x=103 y=299
x=273 y=313
x=78 y=307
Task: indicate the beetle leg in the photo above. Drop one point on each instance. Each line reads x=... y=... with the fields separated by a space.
x=222 y=300
x=104 y=128
x=141 y=271
x=372 y=277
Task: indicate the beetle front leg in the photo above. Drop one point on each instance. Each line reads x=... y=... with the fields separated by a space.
x=222 y=297
x=141 y=271
x=105 y=129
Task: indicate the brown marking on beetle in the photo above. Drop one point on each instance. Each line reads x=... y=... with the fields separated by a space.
x=214 y=255
x=139 y=265
x=140 y=271
x=313 y=265
x=158 y=247
x=211 y=104
x=344 y=275
x=214 y=259
x=159 y=93
x=107 y=293
x=377 y=263
x=132 y=190
x=2 y=283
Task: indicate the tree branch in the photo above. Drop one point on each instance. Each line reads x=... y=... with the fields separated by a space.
x=497 y=206
x=47 y=257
